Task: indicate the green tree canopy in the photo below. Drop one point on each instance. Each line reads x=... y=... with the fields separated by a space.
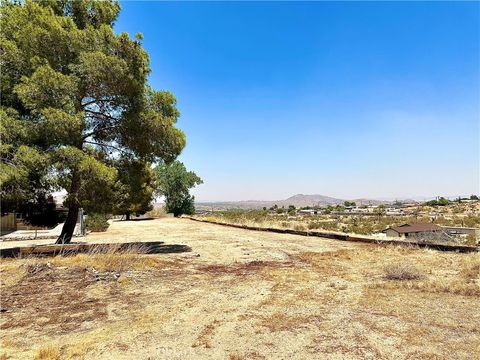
x=438 y=202
x=136 y=186
x=75 y=98
x=175 y=182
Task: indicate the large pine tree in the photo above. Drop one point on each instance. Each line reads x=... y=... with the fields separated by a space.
x=74 y=98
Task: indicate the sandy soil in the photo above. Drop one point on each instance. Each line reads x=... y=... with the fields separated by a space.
x=240 y=294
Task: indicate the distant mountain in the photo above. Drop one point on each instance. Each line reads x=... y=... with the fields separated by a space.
x=299 y=200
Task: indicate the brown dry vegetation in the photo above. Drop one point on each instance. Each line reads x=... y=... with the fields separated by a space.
x=452 y=215
x=249 y=295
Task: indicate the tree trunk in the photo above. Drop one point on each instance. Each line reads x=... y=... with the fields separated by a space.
x=127 y=215
x=73 y=208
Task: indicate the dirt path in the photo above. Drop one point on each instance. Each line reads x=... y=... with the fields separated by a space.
x=213 y=242
x=216 y=243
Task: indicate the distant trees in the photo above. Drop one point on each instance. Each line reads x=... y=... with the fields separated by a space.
x=349 y=203
x=135 y=188
x=438 y=202
x=328 y=209
x=175 y=182
x=472 y=197
x=380 y=209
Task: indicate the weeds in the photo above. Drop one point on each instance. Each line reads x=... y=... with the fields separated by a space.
x=205 y=335
x=402 y=271
x=48 y=353
x=105 y=258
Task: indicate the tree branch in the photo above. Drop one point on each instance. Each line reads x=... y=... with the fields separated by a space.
x=95 y=101
x=97 y=113
x=106 y=145
x=98 y=130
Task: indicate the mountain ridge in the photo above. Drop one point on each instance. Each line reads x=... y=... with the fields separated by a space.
x=297 y=200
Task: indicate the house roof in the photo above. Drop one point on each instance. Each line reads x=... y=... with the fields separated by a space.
x=415 y=228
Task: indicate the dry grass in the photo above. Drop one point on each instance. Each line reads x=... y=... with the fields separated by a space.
x=281 y=321
x=402 y=271
x=346 y=223
x=248 y=296
x=48 y=353
x=205 y=335
x=235 y=357
x=253 y=355
x=465 y=281
x=104 y=259
x=470 y=268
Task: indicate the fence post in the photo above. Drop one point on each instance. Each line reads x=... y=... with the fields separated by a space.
x=82 y=222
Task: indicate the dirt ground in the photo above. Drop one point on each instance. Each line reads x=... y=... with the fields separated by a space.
x=240 y=294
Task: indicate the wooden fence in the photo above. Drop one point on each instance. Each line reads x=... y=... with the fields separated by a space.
x=8 y=223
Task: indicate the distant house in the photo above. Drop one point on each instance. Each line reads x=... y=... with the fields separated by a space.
x=308 y=212
x=407 y=230
x=394 y=211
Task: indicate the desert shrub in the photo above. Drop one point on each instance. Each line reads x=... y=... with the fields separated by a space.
x=48 y=353
x=470 y=268
x=97 y=222
x=299 y=227
x=471 y=221
x=313 y=225
x=402 y=271
x=471 y=239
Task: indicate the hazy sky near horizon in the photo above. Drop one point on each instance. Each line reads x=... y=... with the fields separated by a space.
x=342 y=99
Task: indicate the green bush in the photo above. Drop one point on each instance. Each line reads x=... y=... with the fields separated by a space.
x=97 y=222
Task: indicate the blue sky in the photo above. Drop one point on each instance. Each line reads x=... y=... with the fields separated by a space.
x=342 y=99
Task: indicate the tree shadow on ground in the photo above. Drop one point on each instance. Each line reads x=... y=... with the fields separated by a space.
x=138 y=219
x=148 y=247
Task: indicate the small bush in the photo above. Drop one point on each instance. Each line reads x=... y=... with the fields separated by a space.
x=471 y=239
x=470 y=268
x=299 y=227
x=313 y=225
x=48 y=353
x=97 y=222
x=402 y=272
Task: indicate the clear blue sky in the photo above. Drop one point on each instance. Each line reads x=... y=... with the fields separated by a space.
x=341 y=99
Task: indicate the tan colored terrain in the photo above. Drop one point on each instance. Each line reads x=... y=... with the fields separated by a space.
x=240 y=294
